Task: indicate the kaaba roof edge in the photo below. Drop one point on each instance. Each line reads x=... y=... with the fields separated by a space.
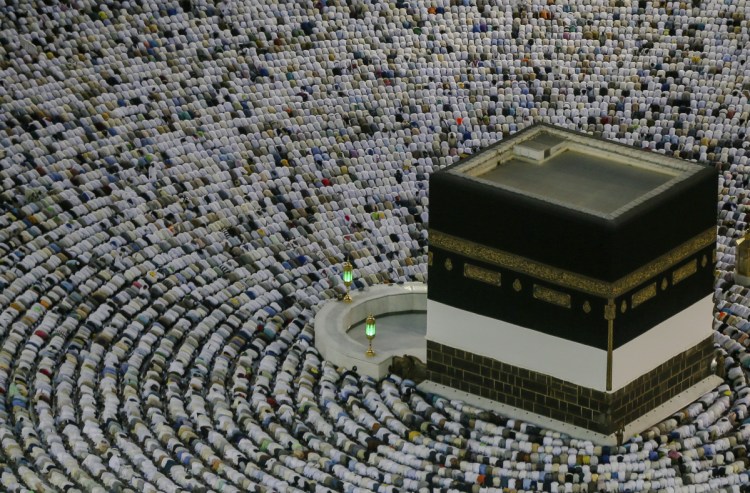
x=475 y=167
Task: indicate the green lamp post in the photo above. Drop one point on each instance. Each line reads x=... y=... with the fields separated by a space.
x=348 y=276
x=370 y=334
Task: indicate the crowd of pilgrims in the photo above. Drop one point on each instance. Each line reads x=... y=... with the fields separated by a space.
x=181 y=182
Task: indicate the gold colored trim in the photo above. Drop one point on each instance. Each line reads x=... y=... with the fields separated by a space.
x=610 y=310
x=664 y=284
x=429 y=259
x=448 y=264
x=609 y=314
x=687 y=270
x=610 y=337
x=551 y=296
x=568 y=279
x=517 y=285
x=643 y=295
x=481 y=274
x=586 y=307
x=742 y=255
x=623 y=306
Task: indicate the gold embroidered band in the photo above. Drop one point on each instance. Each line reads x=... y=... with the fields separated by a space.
x=481 y=274
x=568 y=279
x=687 y=270
x=643 y=295
x=551 y=296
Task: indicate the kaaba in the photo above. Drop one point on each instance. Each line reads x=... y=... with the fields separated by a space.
x=571 y=277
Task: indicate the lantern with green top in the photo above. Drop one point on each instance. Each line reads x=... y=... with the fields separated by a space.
x=348 y=277
x=370 y=334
